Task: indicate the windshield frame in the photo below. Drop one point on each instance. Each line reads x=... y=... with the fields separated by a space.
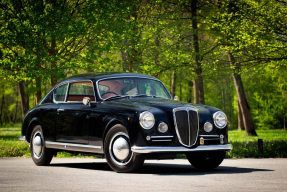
x=98 y=91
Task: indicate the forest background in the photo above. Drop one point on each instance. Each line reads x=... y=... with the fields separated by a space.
x=230 y=54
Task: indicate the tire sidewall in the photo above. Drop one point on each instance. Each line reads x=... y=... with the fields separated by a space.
x=206 y=161
x=134 y=161
x=46 y=155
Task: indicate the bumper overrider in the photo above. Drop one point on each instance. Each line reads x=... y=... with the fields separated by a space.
x=180 y=149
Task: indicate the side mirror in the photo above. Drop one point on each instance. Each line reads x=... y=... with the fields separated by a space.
x=87 y=101
x=175 y=98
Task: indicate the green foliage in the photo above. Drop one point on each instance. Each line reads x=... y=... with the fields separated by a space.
x=64 y=38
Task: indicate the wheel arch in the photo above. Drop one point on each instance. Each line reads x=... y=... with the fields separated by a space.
x=109 y=125
x=34 y=121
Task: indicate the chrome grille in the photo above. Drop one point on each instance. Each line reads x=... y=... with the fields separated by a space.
x=186 y=125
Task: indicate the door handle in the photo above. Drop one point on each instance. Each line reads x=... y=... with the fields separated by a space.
x=60 y=110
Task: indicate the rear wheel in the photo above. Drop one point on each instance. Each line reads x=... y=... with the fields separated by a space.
x=206 y=161
x=40 y=154
x=118 y=151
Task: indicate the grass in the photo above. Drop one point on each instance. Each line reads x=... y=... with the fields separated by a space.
x=274 y=144
x=10 y=146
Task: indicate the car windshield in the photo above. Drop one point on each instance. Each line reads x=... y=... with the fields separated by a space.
x=137 y=87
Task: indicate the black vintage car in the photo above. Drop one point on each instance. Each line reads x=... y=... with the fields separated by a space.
x=127 y=118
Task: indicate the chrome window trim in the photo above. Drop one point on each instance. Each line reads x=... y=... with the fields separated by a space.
x=187 y=109
x=180 y=149
x=53 y=90
x=150 y=78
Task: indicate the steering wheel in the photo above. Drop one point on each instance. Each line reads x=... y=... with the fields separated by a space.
x=109 y=92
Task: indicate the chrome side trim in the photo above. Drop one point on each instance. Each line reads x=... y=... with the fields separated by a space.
x=211 y=139
x=161 y=137
x=22 y=138
x=162 y=140
x=74 y=147
x=179 y=149
x=209 y=136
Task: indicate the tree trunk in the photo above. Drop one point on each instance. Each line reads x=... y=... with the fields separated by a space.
x=195 y=91
x=16 y=108
x=180 y=90
x=23 y=98
x=198 y=86
x=189 y=94
x=39 y=91
x=173 y=82
x=246 y=114
x=125 y=56
x=240 y=119
x=53 y=52
x=1 y=110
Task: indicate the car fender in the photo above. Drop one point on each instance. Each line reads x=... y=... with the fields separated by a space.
x=34 y=121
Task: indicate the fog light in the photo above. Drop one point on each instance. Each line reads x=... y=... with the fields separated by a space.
x=162 y=127
x=208 y=127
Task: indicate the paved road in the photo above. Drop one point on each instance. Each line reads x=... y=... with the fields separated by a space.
x=20 y=174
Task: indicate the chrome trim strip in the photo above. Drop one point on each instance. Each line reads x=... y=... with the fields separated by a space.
x=187 y=109
x=22 y=138
x=180 y=149
x=151 y=78
x=209 y=136
x=74 y=147
x=212 y=139
x=155 y=137
x=162 y=140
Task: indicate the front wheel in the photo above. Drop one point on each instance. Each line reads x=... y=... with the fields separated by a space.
x=40 y=154
x=118 y=152
x=206 y=160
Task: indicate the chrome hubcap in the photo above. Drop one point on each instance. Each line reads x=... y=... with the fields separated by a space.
x=37 y=144
x=121 y=148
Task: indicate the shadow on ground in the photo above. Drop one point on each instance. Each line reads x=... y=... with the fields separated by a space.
x=163 y=169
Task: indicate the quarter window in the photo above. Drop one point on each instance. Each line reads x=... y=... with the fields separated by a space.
x=60 y=93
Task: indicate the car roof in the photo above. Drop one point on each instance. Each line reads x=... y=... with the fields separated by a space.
x=102 y=75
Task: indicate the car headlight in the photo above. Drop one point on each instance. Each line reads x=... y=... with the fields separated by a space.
x=220 y=119
x=147 y=120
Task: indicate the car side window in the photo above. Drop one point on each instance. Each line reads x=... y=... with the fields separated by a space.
x=79 y=90
x=60 y=93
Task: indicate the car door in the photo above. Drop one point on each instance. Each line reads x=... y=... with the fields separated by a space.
x=72 y=123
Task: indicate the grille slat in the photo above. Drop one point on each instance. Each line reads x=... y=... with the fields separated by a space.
x=186 y=124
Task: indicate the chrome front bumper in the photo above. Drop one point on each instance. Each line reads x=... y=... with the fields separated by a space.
x=179 y=149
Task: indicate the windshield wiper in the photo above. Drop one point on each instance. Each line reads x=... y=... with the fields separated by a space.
x=117 y=97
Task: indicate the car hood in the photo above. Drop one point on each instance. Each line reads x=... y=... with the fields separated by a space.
x=160 y=103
